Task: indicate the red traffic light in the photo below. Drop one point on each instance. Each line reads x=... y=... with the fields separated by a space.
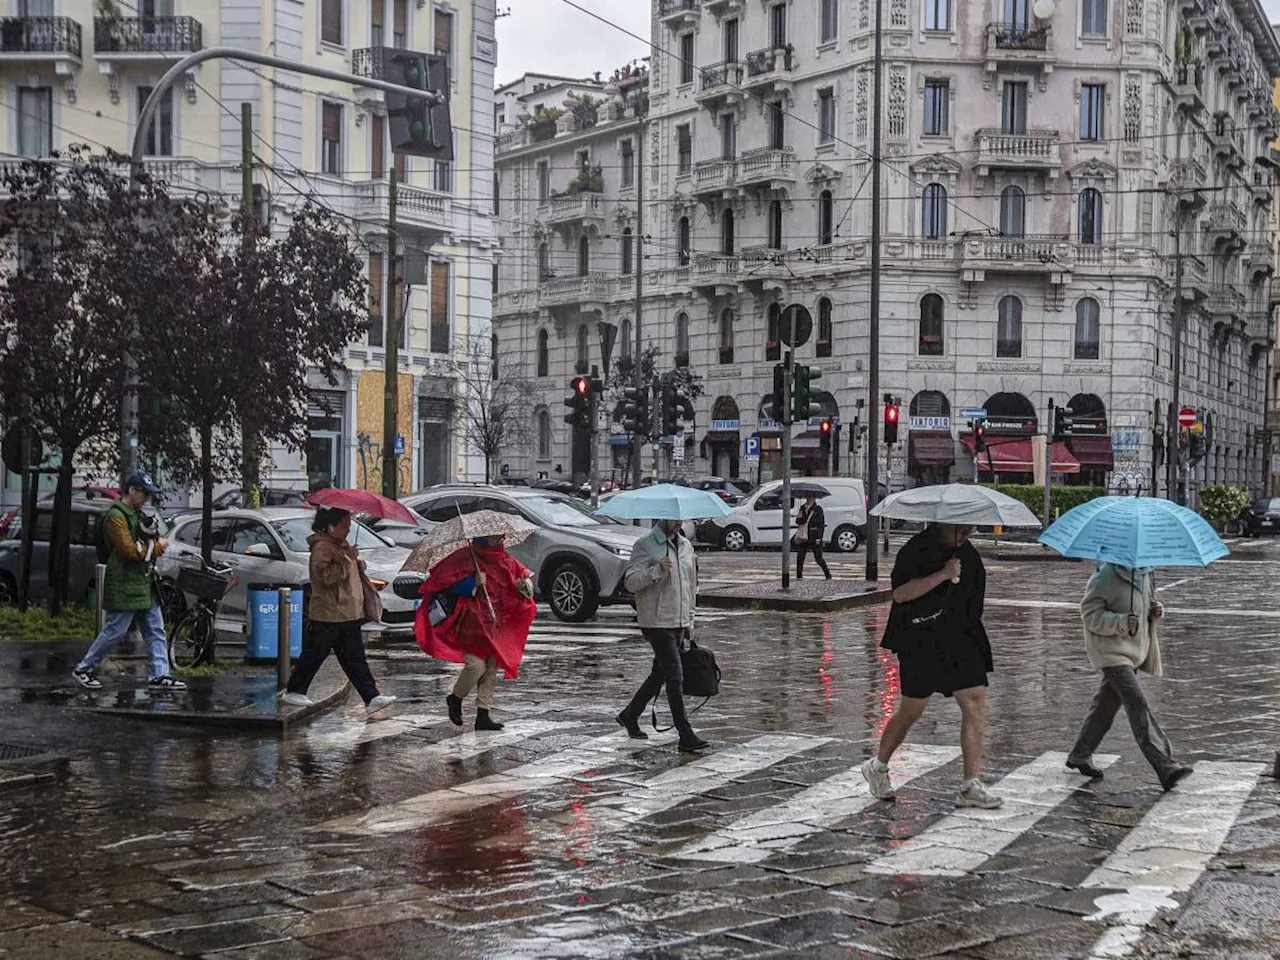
x=980 y=429
x=825 y=426
x=581 y=386
x=891 y=414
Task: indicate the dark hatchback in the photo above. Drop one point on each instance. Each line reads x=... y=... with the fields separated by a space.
x=1263 y=516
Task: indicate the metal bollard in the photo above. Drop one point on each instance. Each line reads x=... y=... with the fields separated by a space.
x=284 y=619
x=100 y=584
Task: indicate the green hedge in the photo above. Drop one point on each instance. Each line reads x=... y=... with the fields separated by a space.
x=1061 y=499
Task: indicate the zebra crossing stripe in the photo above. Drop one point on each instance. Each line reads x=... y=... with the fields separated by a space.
x=1168 y=851
x=351 y=734
x=439 y=805
x=472 y=744
x=967 y=838
x=778 y=828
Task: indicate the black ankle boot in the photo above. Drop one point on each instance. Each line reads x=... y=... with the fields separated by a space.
x=455 y=709
x=632 y=726
x=486 y=722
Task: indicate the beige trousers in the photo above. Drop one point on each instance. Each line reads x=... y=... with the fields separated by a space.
x=481 y=674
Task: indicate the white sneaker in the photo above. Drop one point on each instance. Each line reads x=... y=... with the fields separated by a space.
x=380 y=702
x=978 y=796
x=877 y=778
x=295 y=699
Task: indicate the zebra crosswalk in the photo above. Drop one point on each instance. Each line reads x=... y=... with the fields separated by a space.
x=602 y=784
x=612 y=625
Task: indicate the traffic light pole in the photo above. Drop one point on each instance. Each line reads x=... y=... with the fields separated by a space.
x=593 y=411
x=873 y=313
x=786 y=464
x=1048 y=464
x=1173 y=482
x=391 y=368
x=637 y=441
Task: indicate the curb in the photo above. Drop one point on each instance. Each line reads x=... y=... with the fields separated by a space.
x=796 y=604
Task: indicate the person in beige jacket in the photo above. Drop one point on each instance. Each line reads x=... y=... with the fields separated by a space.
x=1120 y=612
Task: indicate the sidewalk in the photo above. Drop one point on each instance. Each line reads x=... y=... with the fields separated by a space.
x=813 y=594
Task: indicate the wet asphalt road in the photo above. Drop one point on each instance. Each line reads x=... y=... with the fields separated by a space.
x=558 y=837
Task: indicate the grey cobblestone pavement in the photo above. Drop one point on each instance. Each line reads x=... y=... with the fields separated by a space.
x=558 y=837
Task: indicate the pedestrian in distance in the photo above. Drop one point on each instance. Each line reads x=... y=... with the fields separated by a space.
x=336 y=614
x=663 y=575
x=1119 y=611
x=811 y=526
x=935 y=628
x=477 y=611
x=128 y=592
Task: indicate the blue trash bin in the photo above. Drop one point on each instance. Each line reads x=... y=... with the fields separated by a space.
x=264 y=621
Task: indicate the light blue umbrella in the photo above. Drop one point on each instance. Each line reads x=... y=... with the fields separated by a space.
x=664 y=501
x=1135 y=532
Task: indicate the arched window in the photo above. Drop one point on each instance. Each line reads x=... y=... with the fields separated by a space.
x=1090 y=216
x=683 y=241
x=1009 y=328
x=775 y=225
x=682 y=339
x=544 y=435
x=544 y=263
x=493 y=356
x=542 y=362
x=626 y=249
x=726 y=233
x=584 y=345
x=584 y=257
x=824 y=328
x=931 y=343
x=826 y=218
x=934 y=212
x=626 y=339
x=726 y=335
x=1013 y=212
x=772 y=344
x=1088 y=329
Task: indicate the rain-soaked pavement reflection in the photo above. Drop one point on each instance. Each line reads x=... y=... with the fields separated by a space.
x=560 y=837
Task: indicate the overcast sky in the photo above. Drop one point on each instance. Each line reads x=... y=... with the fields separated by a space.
x=550 y=36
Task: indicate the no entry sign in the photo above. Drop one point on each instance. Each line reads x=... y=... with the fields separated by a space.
x=1186 y=417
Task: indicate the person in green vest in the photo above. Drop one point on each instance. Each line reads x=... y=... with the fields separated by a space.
x=127 y=596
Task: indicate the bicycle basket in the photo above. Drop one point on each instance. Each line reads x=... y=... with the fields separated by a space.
x=199 y=583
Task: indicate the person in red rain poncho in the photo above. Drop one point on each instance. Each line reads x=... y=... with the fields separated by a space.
x=477 y=608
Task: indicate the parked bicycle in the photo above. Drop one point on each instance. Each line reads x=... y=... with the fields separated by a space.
x=192 y=636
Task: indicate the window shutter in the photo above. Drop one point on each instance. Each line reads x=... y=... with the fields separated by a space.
x=375 y=13
x=399 y=16
x=444 y=32
x=377 y=152
x=378 y=322
x=439 y=307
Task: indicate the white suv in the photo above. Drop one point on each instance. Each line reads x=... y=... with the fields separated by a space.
x=757 y=520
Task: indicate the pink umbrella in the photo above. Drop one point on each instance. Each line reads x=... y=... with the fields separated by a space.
x=363 y=501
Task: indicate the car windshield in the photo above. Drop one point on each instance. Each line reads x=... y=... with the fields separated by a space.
x=558 y=512
x=295 y=531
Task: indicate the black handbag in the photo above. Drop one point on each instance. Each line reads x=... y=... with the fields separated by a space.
x=701 y=679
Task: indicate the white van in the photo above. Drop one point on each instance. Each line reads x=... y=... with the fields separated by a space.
x=757 y=520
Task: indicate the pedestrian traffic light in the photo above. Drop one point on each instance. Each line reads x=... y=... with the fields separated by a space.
x=802 y=405
x=579 y=404
x=824 y=435
x=979 y=435
x=891 y=414
x=777 y=397
x=418 y=126
x=1198 y=444
x=635 y=411
x=1062 y=423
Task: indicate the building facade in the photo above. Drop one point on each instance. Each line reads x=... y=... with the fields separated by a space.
x=75 y=71
x=1041 y=177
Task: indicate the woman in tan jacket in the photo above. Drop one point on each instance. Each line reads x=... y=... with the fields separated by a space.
x=336 y=614
x=1120 y=611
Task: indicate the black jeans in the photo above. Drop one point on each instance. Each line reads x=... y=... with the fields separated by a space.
x=815 y=546
x=347 y=644
x=666 y=670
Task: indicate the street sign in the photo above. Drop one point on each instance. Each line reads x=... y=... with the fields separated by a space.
x=751 y=447
x=677 y=448
x=399 y=446
x=1186 y=417
x=973 y=414
x=750 y=461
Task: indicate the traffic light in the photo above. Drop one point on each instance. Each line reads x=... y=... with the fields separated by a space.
x=1062 y=423
x=635 y=411
x=979 y=436
x=891 y=414
x=802 y=405
x=579 y=404
x=777 y=412
x=824 y=434
x=675 y=406
x=418 y=126
x=1198 y=443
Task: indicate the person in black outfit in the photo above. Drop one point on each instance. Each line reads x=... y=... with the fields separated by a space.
x=813 y=521
x=935 y=628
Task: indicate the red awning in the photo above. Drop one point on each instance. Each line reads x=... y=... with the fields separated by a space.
x=1014 y=456
x=930 y=448
x=1093 y=451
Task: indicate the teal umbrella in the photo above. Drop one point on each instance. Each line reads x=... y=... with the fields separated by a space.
x=1135 y=532
x=664 y=501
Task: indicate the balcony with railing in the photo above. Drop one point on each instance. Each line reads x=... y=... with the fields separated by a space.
x=1263 y=187
x=1019 y=43
x=40 y=39
x=714 y=176
x=1033 y=150
x=1029 y=254
x=1188 y=86
x=720 y=83
x=762 y=255
x=145 y=38
x=1261 y=257
x=1224 y=220
x=1226 y=140
x=591 y=288
x=767 y=167
x=427 y=214
x=715 y=269
x=1188 y=173
x=575 y=208
x=767 y=68
x=679 y=14
x=1225 y=303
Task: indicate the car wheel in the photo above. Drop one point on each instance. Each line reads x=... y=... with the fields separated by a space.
x=572 y=594
x=846 y=539
x=734 y=539
x=8 y=590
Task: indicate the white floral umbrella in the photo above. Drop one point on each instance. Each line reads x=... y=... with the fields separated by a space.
x=459 y=531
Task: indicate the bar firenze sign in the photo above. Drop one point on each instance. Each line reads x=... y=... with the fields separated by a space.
x=1022 y=426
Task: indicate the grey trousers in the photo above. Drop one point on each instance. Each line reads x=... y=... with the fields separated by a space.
x=1120 y=687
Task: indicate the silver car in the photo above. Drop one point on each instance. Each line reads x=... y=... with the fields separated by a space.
x=269 y=546
x=577 y=558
